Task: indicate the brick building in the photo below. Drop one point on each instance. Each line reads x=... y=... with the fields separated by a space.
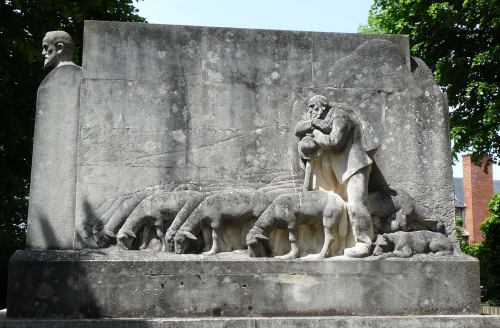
x=472 y=194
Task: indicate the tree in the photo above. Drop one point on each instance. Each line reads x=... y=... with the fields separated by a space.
x=488 y=253
x=23 y=24
x=459 y=40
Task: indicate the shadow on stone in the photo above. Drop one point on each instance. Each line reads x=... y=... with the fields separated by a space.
x=48 y=233
x=55 y=285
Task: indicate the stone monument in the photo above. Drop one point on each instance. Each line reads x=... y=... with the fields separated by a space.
x=51 y=223
x=194 y=176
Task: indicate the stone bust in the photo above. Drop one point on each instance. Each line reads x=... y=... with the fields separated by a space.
x=57 y=48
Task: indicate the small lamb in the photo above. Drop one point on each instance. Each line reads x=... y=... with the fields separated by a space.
x=405 y=244
x=289 y=210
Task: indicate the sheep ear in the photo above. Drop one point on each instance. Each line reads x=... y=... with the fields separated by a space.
x=189 y=235
x=261 y=236
x=110 y=234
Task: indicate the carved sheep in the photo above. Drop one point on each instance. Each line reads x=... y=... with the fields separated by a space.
x=399 y=212
x=117 y=210
x=288 y=211
x=405 y=244
x=226 y=206
x=154 y=210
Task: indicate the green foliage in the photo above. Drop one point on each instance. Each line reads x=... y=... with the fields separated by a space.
x=459 y=224
x=460 y=41
x=23 y=24
x=488 y=253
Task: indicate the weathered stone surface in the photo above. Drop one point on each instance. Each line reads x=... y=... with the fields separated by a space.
x=215 y=109
x=441 y=321
x=51 y=218
x=131 y=284
x=175 y=104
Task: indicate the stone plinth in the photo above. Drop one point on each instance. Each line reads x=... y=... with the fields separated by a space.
x=441 y=321
x=143 y=284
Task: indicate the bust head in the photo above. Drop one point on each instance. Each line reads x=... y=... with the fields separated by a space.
x=57 y=48
x=317 y=107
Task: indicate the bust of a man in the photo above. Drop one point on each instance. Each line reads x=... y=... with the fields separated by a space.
x=57 y=48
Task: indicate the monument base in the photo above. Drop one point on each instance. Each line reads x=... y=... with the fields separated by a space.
x=147 y=284
x=441 y=321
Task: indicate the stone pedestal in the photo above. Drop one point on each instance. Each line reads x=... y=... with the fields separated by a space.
x=145 y=284
x=51 y=223
x=441 y=321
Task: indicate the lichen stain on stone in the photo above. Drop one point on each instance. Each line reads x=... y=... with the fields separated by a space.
x=275 y=75
x=299 y=286
x=301 y=280
x=151 y=146
x=214 y=76
x=162 y=54
x=212 y=57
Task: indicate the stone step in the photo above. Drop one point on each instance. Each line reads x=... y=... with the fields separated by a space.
x=146 y=284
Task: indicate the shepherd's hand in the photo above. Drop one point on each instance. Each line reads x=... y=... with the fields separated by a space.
x=321 y=125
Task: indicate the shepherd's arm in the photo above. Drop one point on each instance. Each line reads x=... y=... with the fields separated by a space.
x=342 y=130
x=303 y=127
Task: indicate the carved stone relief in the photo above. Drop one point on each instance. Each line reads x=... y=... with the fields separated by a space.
x=339 y=204
x=334 y=195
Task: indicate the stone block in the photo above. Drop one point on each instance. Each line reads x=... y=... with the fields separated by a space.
x=51 y=215
x=441 y=321
x=141 y=284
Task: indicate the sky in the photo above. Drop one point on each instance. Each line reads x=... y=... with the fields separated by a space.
x=303 y=15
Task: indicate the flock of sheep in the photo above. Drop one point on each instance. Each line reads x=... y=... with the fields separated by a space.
x=281 y=204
